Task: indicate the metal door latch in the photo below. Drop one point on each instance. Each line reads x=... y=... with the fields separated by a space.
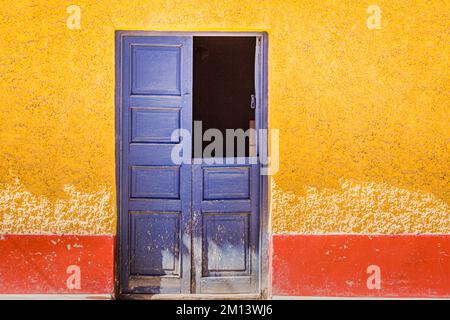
x=253 y=101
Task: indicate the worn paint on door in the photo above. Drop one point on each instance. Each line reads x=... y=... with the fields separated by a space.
x=225 y=212
x=183 y=228
x=155 y=193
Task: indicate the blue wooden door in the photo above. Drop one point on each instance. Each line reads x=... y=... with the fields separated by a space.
x=155 y=193
x=183 y=228
x=225 y=223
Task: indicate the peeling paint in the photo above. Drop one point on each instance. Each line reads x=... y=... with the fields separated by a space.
x=22 y=212
x=359 y=207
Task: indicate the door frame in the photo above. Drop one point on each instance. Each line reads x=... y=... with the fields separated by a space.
x=261 y=77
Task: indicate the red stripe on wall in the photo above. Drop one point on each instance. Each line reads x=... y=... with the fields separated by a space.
x=359 y=265
x=56 y=264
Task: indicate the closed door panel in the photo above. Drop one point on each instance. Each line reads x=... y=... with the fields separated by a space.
x=226 y=232
x=155 y=192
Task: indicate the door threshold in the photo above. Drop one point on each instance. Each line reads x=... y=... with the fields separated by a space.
x=160 y=296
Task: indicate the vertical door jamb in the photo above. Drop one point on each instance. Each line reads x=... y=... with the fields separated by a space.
x=261 y=75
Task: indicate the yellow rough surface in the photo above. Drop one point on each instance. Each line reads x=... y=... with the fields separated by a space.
x=363 y=114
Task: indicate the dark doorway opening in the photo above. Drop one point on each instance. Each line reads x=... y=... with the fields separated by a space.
x=224 y=89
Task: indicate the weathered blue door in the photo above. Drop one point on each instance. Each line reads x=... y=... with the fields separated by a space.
x=156 y=91
x=226 y=219
x=184 y=228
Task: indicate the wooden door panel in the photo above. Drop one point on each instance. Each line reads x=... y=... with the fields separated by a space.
x=156 y=192
x=226 y=227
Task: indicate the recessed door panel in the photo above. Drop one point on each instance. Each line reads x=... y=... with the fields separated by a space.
x=225 y=244
x=155 y=182
x=154 y=124
x=155 y=255
x=156 y=68
x=221 y=183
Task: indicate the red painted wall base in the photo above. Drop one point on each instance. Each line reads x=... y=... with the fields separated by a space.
x=303 y=265
x=31 y=264
x=359 y=265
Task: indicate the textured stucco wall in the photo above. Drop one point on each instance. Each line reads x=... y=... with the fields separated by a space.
x=363 y=114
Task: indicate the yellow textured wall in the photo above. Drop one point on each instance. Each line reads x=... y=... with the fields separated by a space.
x=363 y=114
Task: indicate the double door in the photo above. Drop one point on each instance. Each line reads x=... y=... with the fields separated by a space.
x=189 y=227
